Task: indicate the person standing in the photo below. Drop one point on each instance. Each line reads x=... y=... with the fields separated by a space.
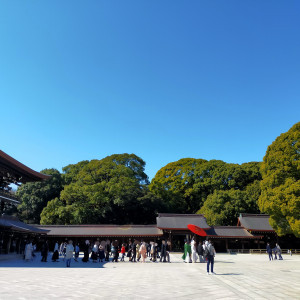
x=115 y=251
x=194 y=250
x=107 y=250
x=77 y=249
x=101 y=253
x=168 y=249
x=86 y=251
x=163 y=251
x=28 y=251
x=129 y=252
x=143 y=251
x=187 y=252
x=94 y=255
x=123 y=250
x=138 y=254
x=279 y=252
x=133 y=257
x=55 y=255
x=44 y=251
x=69 y=253
x=210 y=253
x=269 y=251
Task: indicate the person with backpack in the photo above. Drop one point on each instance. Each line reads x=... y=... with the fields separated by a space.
x=209 y=253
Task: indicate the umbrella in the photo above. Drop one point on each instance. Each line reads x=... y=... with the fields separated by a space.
x=197 y=230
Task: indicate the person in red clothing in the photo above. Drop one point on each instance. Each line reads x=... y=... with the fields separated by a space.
x=123 y=252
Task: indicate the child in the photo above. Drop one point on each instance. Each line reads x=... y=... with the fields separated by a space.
x=123 y=252
x=101 y=253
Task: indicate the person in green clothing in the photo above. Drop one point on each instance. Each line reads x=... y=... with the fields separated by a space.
x=187 y=252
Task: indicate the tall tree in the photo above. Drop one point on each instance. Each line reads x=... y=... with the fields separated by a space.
x=174 y=183
x=280 y=196
x=34 y=196
x=110 y=190
x=185 y=184
x=224 y=206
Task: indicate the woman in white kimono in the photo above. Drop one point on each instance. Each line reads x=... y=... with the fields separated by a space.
x=194 y=250
x=28 y=251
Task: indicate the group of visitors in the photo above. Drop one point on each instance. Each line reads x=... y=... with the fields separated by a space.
x=135 y=251
x=205 y=251
x=276 y=251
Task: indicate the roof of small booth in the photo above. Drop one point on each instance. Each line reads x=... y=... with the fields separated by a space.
x=14 y=224
x=180 y=221
x=255 y=222
x=102 y=230
x=229 y=232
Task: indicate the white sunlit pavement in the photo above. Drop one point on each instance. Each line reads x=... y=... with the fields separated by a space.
x=242 y=276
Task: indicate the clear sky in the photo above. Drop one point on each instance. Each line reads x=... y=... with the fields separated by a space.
x=162 y=79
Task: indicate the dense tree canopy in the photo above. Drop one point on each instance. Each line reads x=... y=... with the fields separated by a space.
x=224 y=206
x=110 y=190
x=34 y=196
x=280 y=196
x=184 y=185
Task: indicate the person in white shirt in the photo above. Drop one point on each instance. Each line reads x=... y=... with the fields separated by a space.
x=69 y=253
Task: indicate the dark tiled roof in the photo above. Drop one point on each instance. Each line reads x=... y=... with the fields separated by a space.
x=229 y=232
x=255 y=222
x=101 y=230
x=15 y=224
x=11 y=168
x=180 y=221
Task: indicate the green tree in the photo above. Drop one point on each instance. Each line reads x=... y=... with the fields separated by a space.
x=34 y=196
x=110 y=190
x=174 y=183
x=223 y=207
x=185 y=184
x=280 y=195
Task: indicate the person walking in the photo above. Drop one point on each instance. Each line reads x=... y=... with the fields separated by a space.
x=55 y=255
x=269 y=251
x=187 y=252
x=194 y=250
x=210 y=253
x=69 y=253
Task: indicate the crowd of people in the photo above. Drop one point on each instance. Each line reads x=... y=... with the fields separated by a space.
x=103 y=251
x=205 y=251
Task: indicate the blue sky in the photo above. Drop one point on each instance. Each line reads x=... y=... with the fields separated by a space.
x=162 y=79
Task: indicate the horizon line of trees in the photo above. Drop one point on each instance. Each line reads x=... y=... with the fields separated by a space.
x=116 y=190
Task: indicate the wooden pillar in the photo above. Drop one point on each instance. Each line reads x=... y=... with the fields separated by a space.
x=226 y=243
x=258 y=244
x=243 y=245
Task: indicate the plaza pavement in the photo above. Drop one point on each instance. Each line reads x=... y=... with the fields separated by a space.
x=242 y=276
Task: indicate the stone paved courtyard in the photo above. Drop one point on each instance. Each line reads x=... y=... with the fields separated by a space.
x=242 y=276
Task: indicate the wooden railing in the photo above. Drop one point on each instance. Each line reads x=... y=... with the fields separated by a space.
x=262 y=251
